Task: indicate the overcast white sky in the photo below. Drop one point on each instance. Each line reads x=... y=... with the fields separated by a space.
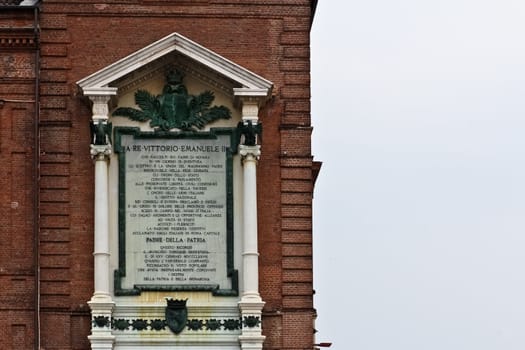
x=418 y=109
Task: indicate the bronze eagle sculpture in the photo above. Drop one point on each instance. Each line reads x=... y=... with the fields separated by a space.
x=174 y=108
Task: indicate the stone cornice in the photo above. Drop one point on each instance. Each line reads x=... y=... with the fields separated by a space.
x=243 y=81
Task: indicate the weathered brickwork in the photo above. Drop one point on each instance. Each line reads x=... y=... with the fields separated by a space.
x=46 y=202
x=18 y=273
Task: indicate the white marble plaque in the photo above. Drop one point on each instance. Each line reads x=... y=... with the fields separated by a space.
x=175 y=212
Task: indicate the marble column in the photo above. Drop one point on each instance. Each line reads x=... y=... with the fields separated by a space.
x=251 y=304
x=101 y=302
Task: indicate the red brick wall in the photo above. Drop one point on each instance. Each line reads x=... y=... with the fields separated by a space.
x=18 y=57
x=79 y=37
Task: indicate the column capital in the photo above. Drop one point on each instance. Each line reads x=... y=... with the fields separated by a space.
x=250 y=101
x=100 y=107
x=100 y=152
x=249 y=153
x=250 y=109
x=100 y=99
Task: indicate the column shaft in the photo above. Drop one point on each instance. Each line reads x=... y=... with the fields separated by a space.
x=101 y=249
x=251 y=303
x=250 y=253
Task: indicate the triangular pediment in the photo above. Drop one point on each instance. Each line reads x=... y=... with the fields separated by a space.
x=221 y=72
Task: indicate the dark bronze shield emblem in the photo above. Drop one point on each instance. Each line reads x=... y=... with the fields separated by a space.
x=176 y=315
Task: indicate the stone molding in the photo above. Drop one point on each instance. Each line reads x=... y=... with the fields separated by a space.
x=249 y=83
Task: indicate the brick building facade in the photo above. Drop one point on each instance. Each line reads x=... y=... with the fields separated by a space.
x=47 y=197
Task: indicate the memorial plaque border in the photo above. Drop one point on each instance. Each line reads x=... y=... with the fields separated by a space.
x=232 y=273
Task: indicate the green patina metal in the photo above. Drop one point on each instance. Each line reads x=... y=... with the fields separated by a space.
x=120 y=273
x=100 y=133
x=249 y=132
x=251 y=321
x=176 y=314
x=101 y=321
x=174 y=108
x=195 y=325
x=139 y=324
x=212 y=324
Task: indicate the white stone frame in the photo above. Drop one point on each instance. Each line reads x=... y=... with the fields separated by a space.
x=251 y=92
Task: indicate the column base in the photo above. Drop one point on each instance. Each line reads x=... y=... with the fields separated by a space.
x=251 y=342
x=101 y=338
x=251 y=303
x=101 y=341
x=98 y=298
x=251 y=306
x=101 y=305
